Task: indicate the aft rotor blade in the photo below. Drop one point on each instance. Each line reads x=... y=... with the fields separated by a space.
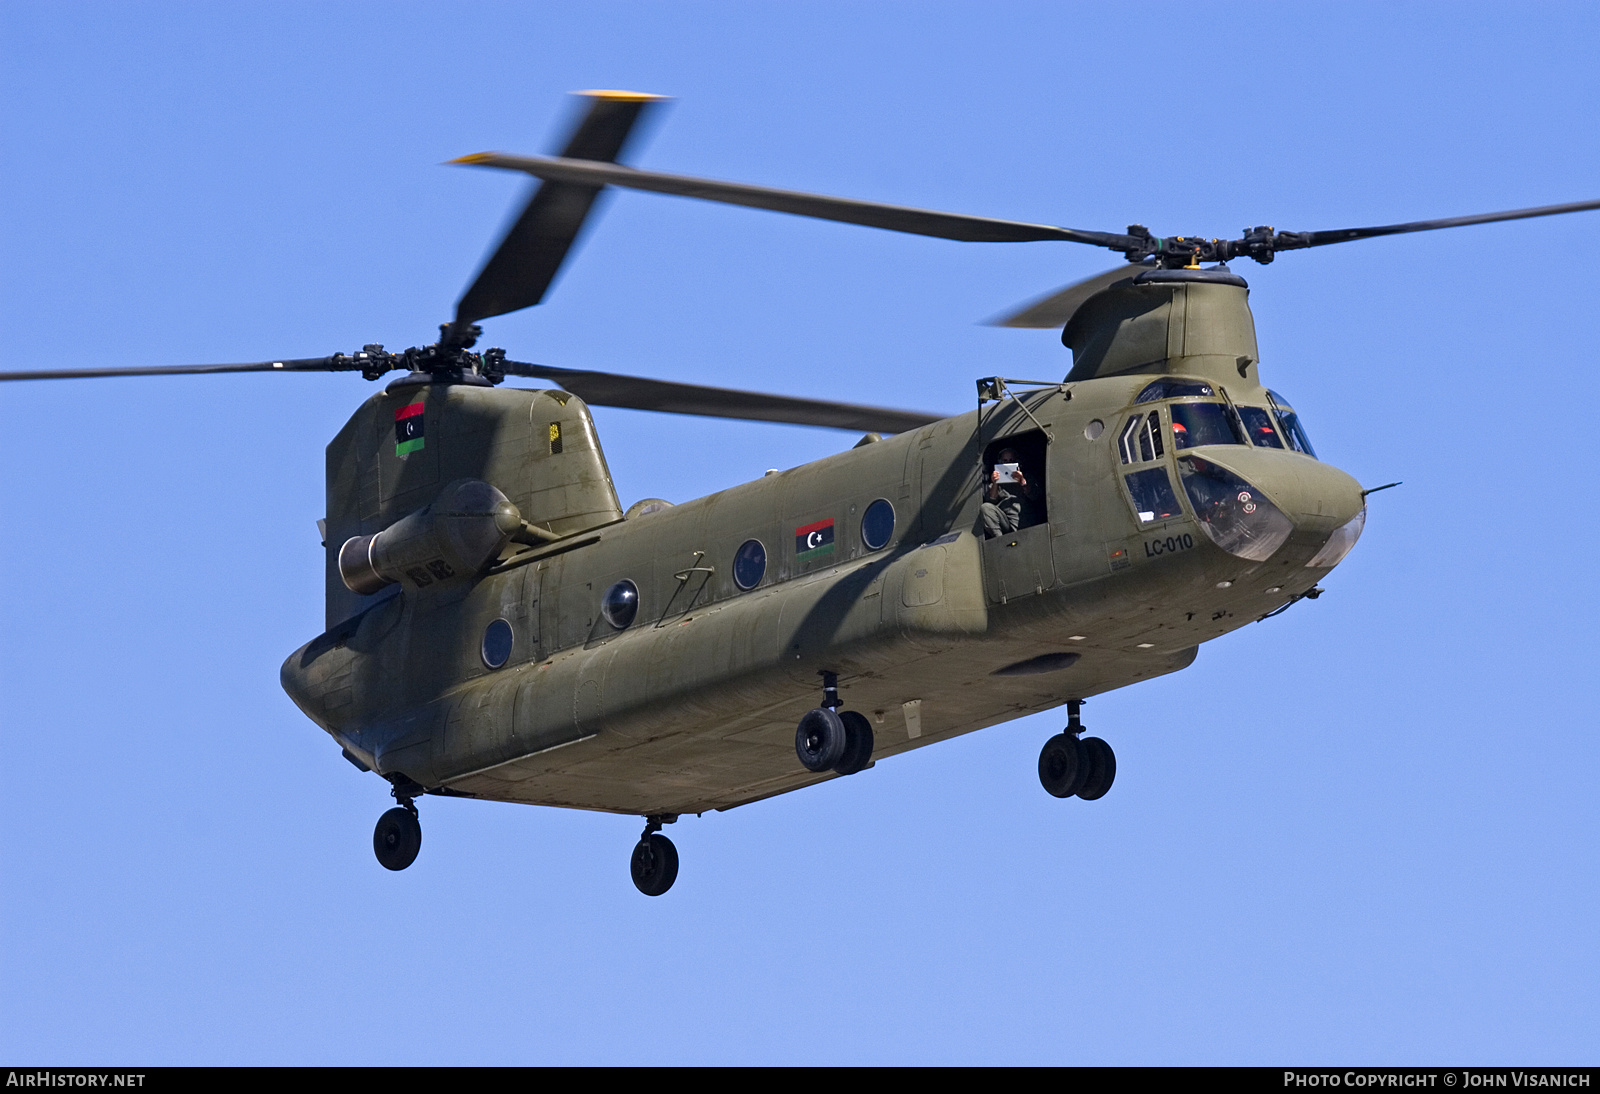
x=1345 y=235
x=1057 y=309
x=872 y=214
x=640 y=393
x=520 y=270
x=338 y=363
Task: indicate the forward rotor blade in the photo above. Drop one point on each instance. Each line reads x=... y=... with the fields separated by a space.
x=1345 y=235
x=639 y=393
x=872 y=214
x=1057 y=309
x=520 y=270
x=304 y=364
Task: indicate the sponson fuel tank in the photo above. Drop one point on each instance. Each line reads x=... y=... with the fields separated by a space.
x=405 y=445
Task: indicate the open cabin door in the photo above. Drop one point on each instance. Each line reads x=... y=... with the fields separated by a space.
x=1015 y=519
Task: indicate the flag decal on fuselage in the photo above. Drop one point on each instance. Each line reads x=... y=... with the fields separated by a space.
x=408 y=429
x=813 y=540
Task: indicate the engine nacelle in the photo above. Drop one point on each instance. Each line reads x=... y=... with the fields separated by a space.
x=455 y=537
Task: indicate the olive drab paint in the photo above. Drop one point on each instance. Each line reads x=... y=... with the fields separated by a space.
x=693 y=705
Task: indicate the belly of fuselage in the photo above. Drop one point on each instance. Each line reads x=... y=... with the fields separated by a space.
x=701 y=714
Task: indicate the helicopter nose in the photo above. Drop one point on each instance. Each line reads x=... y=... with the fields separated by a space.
x=1263 y=503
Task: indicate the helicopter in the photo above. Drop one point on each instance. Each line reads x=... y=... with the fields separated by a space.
x=498 y=626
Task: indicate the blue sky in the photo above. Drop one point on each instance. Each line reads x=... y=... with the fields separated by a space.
x=1362 y=831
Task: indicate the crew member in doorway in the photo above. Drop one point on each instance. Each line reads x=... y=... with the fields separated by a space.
x=1004 y=496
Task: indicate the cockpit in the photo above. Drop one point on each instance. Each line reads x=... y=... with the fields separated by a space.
x=1215 y=420
x=1194 y=414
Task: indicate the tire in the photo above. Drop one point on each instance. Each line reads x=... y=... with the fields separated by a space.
x=654 y=865
x=1102 y=770
x=397 y=839
x=1062 y=765
x=820 y=740
x=858 y=743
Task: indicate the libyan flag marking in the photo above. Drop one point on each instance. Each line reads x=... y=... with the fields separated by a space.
x=408 y=429
x=813 y=540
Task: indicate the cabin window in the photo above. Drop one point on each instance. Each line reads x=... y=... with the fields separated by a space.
x=620 y=604
x=749 y=564
x=1141 y=438
x=877 y=524
x=1258 y=427
x=1195 y=424
x=1290 y=422
x=497 y=641
x=1152 y=495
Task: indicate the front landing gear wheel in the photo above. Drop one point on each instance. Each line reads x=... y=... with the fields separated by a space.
x=820 y=740
x=654 y=865
x=857 y=743
x=397 y=839
x=1063 y=765
x=1102 y=769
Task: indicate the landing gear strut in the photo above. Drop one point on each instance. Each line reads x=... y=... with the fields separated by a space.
x=828 y=739
x=655 y=859
x=1073 y=765
x=398 y=837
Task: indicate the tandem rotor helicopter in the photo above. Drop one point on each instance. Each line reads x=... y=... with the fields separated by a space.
x=498 y=627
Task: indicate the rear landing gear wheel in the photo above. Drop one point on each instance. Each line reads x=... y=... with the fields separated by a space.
x=820 y=739
x=857 y=743
x=1102 y=769
x=1063 y=765
x=397 y=839
x=654 y=865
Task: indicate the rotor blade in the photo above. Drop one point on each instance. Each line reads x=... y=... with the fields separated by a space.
x=1345 y=235
x=872 y=214
x=524 y=264
x=1057 y=309
x=639 y=393
x=338 y=363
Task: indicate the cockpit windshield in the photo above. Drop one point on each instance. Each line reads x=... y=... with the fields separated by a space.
x=1258 y=427
x=1289 y=421
x=1195 y=424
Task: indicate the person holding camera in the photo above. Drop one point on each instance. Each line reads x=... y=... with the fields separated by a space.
x=1004 y=496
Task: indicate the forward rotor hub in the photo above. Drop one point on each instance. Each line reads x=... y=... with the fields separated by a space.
x=1177 y=252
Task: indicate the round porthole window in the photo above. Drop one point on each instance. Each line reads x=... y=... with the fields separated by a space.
x=750 y=564
x=497 y=640
x=877 y=524
x=620 y=604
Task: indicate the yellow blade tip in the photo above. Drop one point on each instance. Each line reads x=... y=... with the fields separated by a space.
x=475 y=157
x=623 y=96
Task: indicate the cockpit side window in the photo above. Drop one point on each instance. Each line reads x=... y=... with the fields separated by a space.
x=1140 y=441
x=1153 y=498
x=1150 y=490
x=1127 y=443
x=1195 y=424
x=1258 y=427
x=1289 y=421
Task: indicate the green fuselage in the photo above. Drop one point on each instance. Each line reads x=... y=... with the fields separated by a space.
x=693 y=705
